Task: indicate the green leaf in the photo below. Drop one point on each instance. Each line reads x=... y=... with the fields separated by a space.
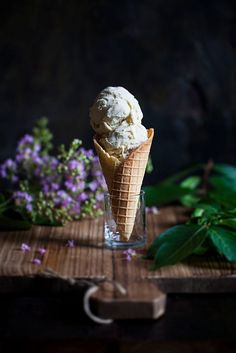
x=201 y=250
x=176 y=243
x=191 y=182
x=189 y=200
x=164 y=193
x=209 y=206
x=229 y=222
x=9 y=224
x=206 y=209
x=226 y=198
x=219 y=183
x=198 y=212
x=224 y=241
x=226 y=170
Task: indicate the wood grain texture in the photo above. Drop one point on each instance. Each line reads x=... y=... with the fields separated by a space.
x=89 y=260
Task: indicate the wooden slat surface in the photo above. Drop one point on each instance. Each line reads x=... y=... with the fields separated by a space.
x=90 y=260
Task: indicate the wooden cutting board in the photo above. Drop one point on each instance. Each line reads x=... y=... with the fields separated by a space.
x=89 y=263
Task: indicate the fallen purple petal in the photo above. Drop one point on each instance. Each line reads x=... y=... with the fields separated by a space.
x=41 y=251
x=25 y=247
x=70 y=243
x=129 y=254
x=155 y=209
x=152 y=209
x=128 y=258
x=36 y=261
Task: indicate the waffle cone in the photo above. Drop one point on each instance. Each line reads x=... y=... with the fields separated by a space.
x=124 y=180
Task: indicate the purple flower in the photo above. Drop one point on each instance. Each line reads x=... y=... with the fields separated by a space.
x=78 y=167
x=25 y=247
x=93 y=185
x=97 y=173
x=23 y=199
x=69 y=184
x=81 y=185
x=62 y=194
x=129 y=254
x=22 y=195
x=70 y=243
x=55 y=186
x=26 y=140
x=76 y=208
x=28 y=154
x=53 y=163
x=14 y=179
x=128 y=257
x=10 y=163
x=82 y=197
x=8 y=169
x=86 y=153
x=63 y=199
x=29 y=207
x=3 y=172
x=24 y=154
x=36 y=159
x=152 y=209
x=74 y=184
x=36 y=261
x=37 y=147
x=101 y=182
x=28 y=151
x=38 y=171
x=74 y=164
x=49 y=186
x=96 y=168
x=100 y=197
x=42 y=251
x=46 y=188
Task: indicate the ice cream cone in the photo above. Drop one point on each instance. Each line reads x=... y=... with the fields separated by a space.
x=124 y=180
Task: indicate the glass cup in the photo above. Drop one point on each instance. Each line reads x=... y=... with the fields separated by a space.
x=135 y=224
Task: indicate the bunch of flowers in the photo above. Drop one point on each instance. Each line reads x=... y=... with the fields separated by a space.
x=53 y=189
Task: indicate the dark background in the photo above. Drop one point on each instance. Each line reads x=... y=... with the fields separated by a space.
x=177 y=57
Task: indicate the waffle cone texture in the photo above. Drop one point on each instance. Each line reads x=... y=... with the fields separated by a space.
x=124 y=180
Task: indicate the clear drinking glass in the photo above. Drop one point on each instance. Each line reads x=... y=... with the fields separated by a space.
x=134 y=221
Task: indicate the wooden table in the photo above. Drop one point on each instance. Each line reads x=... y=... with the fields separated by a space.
x=48 y=312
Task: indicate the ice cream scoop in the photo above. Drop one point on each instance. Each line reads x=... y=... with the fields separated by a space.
x=116 y=118
x=124 y=139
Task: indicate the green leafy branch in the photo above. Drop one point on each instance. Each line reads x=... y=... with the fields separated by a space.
x=43 y=135
x=211 y=194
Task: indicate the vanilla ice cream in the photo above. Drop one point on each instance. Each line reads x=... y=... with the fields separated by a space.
x=116 y=118
x=125 y=138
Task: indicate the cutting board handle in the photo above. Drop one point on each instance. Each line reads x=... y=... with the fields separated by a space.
x=139 y=300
